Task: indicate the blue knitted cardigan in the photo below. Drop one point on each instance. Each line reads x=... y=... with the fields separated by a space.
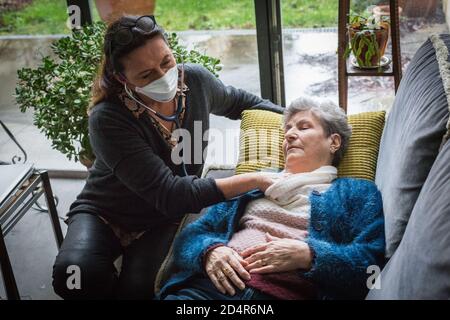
x=346 y=234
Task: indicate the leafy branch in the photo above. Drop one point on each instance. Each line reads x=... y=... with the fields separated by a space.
x=59 y=89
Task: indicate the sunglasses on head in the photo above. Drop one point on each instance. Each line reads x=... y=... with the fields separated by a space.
x=128 y=29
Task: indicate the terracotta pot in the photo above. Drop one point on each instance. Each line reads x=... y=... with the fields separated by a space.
x=384 y=12
x=110 y=10
x=86 y=159
x=86 y=162
x=418 y=8
x=381 y=36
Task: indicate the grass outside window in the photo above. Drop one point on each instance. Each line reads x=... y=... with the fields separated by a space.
x=49 y=16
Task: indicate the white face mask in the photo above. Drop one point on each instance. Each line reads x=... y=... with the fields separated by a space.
x=162 y=89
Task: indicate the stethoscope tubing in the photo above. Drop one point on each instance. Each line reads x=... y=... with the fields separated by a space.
x=173 y=117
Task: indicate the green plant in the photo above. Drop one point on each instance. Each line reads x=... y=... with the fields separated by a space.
x=368 y=38
x=59 y=89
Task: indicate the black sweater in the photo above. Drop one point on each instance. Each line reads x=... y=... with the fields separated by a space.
x=133 y=182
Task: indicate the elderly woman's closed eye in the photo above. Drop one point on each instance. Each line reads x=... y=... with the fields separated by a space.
x=270 y=246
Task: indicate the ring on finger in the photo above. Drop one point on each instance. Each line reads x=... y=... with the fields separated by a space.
x=227 y=272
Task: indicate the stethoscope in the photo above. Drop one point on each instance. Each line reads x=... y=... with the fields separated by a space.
x=173 y=117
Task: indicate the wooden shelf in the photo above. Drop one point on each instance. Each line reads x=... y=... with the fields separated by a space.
x=346 y=69
x=352 y=71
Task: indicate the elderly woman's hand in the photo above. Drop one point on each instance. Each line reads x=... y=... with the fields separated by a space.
x=223 y=265
x=278 y=255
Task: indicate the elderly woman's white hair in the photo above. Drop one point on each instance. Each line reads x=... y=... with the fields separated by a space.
x=332 y=118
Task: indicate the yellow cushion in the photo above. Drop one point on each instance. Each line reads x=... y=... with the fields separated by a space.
x=262 y=136
x=360 y=159
x=260 y=141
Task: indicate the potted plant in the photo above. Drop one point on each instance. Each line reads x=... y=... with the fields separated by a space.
x=111 y=9
x=368 y=37
x=59 y=89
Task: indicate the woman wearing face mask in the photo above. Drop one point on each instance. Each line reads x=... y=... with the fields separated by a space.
x=135 y=195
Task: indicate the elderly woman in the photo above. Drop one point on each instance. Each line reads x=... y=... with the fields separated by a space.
x=310 y=235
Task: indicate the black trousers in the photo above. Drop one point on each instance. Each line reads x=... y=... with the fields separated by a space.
x=84 y=266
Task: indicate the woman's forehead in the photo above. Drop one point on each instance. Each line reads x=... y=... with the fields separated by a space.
x=147 y=56
x=306 y=115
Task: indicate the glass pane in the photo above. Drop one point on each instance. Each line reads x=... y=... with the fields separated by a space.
x=310 y=53
x=418 y=20
x=309 y=45
x=224 y=29
x=33 y=17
